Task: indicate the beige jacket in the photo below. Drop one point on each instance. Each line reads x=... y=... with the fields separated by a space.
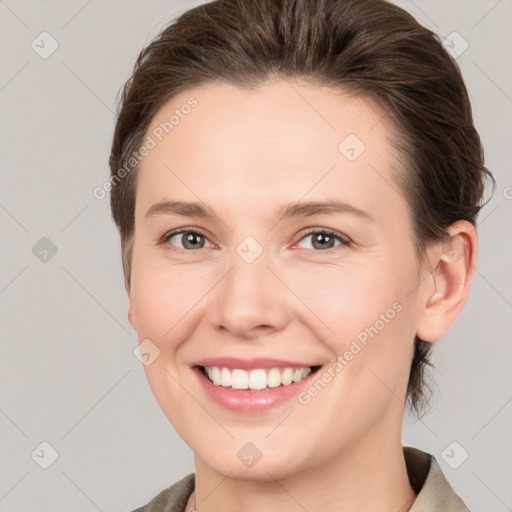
x=427 y=480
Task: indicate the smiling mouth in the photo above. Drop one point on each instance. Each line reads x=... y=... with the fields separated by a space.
x=258 y=379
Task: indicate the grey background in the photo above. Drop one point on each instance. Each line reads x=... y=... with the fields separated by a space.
x=68 y=373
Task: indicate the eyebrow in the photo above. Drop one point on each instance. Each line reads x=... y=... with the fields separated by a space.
x=291 y=210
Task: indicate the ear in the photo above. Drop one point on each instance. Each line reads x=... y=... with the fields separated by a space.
x=131 y=316
x=447 y=288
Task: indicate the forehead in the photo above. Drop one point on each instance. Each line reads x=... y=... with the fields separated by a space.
x=283 y=141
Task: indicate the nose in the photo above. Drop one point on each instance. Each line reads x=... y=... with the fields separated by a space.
x=250 y=300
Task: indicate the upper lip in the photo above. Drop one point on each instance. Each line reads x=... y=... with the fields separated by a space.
x=250 y=364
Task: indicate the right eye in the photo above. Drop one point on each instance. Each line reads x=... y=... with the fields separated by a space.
x=188 y=238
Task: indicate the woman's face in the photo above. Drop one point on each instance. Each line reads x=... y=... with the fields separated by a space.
x=260 y=278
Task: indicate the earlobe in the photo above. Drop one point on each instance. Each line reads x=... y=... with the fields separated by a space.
x=131 y=316
x=448 y=286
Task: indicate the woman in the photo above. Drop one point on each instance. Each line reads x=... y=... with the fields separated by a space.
x=296 y=185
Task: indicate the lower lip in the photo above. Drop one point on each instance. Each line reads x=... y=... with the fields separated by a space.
x=251 y=401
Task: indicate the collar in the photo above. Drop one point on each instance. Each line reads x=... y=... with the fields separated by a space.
x=433 y=490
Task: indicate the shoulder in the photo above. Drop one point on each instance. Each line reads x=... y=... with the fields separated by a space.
x=172 y=499
x=431 y=486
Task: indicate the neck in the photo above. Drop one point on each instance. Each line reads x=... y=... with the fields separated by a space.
x=373 y=478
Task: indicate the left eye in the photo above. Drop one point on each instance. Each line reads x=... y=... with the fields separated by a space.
x=324 y=239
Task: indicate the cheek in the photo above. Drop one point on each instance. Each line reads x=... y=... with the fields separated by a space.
x=347 y=299
x=362 y=314
x=153 y=309
x=163 y=295
x=162 y=299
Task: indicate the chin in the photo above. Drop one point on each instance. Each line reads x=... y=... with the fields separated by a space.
x=246 y=462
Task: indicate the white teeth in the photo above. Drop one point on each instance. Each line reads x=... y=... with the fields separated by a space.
x=297 y=375
x=274 y=378
x=255 y=379
x=258 y=379
x=287 y=377
x=225 y=375
x=239 y=379
x=216 y=376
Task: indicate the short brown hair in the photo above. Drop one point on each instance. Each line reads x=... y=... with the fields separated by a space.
x=369 y=47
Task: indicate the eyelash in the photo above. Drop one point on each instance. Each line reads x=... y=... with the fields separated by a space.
x=345 y=241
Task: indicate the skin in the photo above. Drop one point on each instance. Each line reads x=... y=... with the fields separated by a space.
x=246 y=153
